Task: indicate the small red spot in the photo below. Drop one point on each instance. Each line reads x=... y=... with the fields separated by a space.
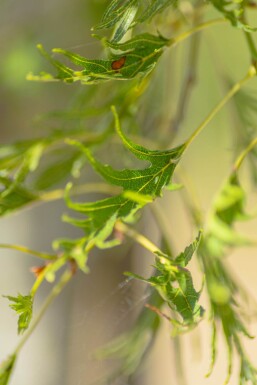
x=118 y=64
x=37 y=270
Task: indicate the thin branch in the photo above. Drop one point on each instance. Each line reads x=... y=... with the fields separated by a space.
x=244 y=153
x=175 y=40
x=250 y=74
x=57 y=289
x=26 y=250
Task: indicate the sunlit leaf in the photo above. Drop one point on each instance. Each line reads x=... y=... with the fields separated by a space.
x=136 y=11
x=146 y=184
x=136 y=56
x=22 y=305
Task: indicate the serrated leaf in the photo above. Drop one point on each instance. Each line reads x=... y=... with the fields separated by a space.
x=6 y=368
x=174 y=284
x=103 y=214
x=185 y=257
x=233 y=10
x=22 y=305
x=136 y=56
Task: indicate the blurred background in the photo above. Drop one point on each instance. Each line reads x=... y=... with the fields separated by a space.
x=97 y=307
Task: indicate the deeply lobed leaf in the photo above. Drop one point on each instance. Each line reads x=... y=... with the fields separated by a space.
x=147 y=183
x=174 y=284
x=127 y=60
x=22 y=305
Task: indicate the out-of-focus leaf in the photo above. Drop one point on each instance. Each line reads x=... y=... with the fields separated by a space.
x=153 y=7
x=22 y=305
x=6 y=368
x=136 y=56
x=247 y=372
x=13 y=197
x=56 y=171
x=245 y=107
x=233 y=10
x=131 y=348
x=228 y=207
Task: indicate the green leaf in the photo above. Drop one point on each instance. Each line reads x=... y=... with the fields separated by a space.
x=135 y=11
x=6 y=368
x=247 y=373
x=174 y=284
x=121 y=13
x=22 y=305
x=222 y=288
x=13 y=196
x=154 y=7
x=136 y=56
x=233 y=10
x=115 y=12
x=58 y=170
x=75 y=249
x=228 y=207
x=141 y=183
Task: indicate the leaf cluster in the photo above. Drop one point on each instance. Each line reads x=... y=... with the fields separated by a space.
x=223 y=290
x=30 y=169
x=174 y=284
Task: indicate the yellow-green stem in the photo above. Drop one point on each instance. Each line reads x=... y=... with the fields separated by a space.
x=54 y=266
x=139 y=238
x=143 y=241
x=250 y=74
x=198 y=28
x=26 y=250
x=246 y=151
x=65 y=278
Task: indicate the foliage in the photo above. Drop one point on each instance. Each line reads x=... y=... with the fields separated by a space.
x=174 y=284
x=22 y=305
x=31 y=171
